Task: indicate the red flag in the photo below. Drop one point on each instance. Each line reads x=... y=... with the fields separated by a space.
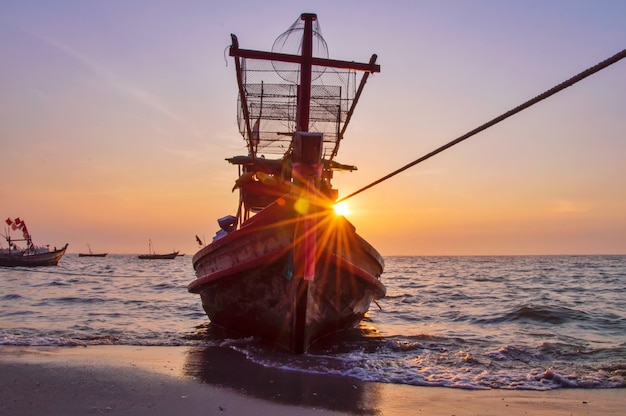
x=18 y=221
x=198 y=240
x=13 y=227
x=8 y=221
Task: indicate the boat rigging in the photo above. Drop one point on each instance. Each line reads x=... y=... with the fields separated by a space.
x=568 y=83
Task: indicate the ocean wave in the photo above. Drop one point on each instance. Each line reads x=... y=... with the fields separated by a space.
x=541 y=313
x=10 y=296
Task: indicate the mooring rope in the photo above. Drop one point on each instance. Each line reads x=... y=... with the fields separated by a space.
x=610 y=61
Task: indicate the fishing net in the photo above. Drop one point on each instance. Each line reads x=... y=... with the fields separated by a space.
x=271 y=94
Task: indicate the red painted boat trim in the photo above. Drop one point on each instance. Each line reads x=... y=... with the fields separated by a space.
x=195 y=286
x=359 y=272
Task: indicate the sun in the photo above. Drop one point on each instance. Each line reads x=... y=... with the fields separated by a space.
x=342 y=209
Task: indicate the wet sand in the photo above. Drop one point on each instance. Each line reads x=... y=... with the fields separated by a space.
x=134 y=380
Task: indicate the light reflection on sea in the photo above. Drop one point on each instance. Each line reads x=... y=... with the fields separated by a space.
x=469 y=322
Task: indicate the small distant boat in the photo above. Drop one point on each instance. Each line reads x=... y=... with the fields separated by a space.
x=31 y=256
x=92 y=254
x=168 y=256
x=152 y=255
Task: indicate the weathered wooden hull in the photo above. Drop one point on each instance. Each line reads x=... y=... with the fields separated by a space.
x=249 y=282
x=33 y=260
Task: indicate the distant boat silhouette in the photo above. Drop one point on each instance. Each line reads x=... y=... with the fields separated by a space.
x=91 y=254
x=152 y=255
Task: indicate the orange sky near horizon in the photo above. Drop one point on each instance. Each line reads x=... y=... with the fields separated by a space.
x=116 y=118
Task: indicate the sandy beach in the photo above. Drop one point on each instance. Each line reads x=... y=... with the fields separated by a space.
x=129 y=380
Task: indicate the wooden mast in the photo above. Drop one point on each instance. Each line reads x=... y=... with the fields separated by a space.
x=305 y=249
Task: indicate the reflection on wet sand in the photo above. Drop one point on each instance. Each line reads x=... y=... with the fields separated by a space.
x=228 y=368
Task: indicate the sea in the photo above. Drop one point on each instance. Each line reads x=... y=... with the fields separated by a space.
x=477 y=322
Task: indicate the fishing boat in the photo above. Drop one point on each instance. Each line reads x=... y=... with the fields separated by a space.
x=31 y=255
x=91 y=253
x=152 y=255
x=287 y=268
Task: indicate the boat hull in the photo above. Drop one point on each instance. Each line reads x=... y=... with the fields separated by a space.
x=168 y=256
x=249 y=281
x=51 y=258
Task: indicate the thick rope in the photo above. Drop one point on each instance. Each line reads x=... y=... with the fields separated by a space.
x=610 y=61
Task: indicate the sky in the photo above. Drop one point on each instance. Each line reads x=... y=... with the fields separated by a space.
x=116 y=118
